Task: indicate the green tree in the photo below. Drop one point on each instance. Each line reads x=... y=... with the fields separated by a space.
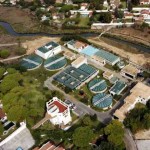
x=87 y=121
x=4 y=53
x=130 y=6
x=82 y=136
x=66 y=8
x=11 y=70
x=2 y=71
x=1 y=129
x=105 y=17
x=135 y=2
x=148 y=104
x=10 y=81
x=115 y=127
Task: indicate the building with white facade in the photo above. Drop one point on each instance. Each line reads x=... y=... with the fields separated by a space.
x=48 y=50
x=129 y=72
x=59 y=112
x=144 y=2
x=140 y=93
x=76 y=45
x=79 y=61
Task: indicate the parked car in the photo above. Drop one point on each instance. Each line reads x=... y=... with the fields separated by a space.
x=71 y=105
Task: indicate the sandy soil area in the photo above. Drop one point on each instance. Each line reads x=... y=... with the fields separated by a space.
x=137 y=58
x=145 y=134
x=32 y=45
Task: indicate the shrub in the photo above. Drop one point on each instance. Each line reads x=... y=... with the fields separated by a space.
x=4 y=53
x=20 y=51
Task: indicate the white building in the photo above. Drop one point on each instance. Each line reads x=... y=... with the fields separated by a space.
x=59 y=112
x=49 y=50
x=79 y=61
x=144 y=2
x=129 y=72
x=140 y=93
x=76 y=45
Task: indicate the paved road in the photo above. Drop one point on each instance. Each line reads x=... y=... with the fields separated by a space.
x=129 y=141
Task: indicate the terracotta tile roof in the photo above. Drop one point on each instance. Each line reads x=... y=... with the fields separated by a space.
x=48 y=146
x=60 y=106
x=144 y=11
x=79 y=44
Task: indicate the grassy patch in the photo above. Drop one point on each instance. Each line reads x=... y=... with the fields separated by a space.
x=2 y=30
x=84 y=21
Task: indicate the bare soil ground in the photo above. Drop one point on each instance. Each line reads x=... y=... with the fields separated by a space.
x=22 y=20
x=32 y=45
x=133 y=34
x=138 y=57
x=145 y=135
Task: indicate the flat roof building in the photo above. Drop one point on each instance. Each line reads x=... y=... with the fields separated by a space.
x=102 y=54
x=69 y=55
x=140 y=93
x=59 y=112
x=48 y=50
x=98 y=60
x=76 y=45
x=117 y=88
x=74 y=78
x=129 y=72
x=79 y=61
x=108 y=75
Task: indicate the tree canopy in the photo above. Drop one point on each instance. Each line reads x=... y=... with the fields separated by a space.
x=10 y=81
x=82 y=136
x=138 y=118
x=2 y=71
x=115 y=127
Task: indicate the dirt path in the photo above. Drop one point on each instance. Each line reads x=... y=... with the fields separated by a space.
x=137 y=58
x=31 y=46
x=41 y=122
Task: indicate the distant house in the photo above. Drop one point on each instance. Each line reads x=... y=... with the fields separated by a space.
x=129 y=72
x=84 y=6
x=59 y=112
x=48 y=50
x=140 y=93
x=145 y=13
x=43 y=18
x=76 y=45
x=128 y=15
x=49 y=146
x=144 y=2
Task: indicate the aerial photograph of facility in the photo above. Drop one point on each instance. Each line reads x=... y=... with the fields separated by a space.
x=74 y=74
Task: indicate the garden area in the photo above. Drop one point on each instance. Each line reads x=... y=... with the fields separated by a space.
x=88 y=126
